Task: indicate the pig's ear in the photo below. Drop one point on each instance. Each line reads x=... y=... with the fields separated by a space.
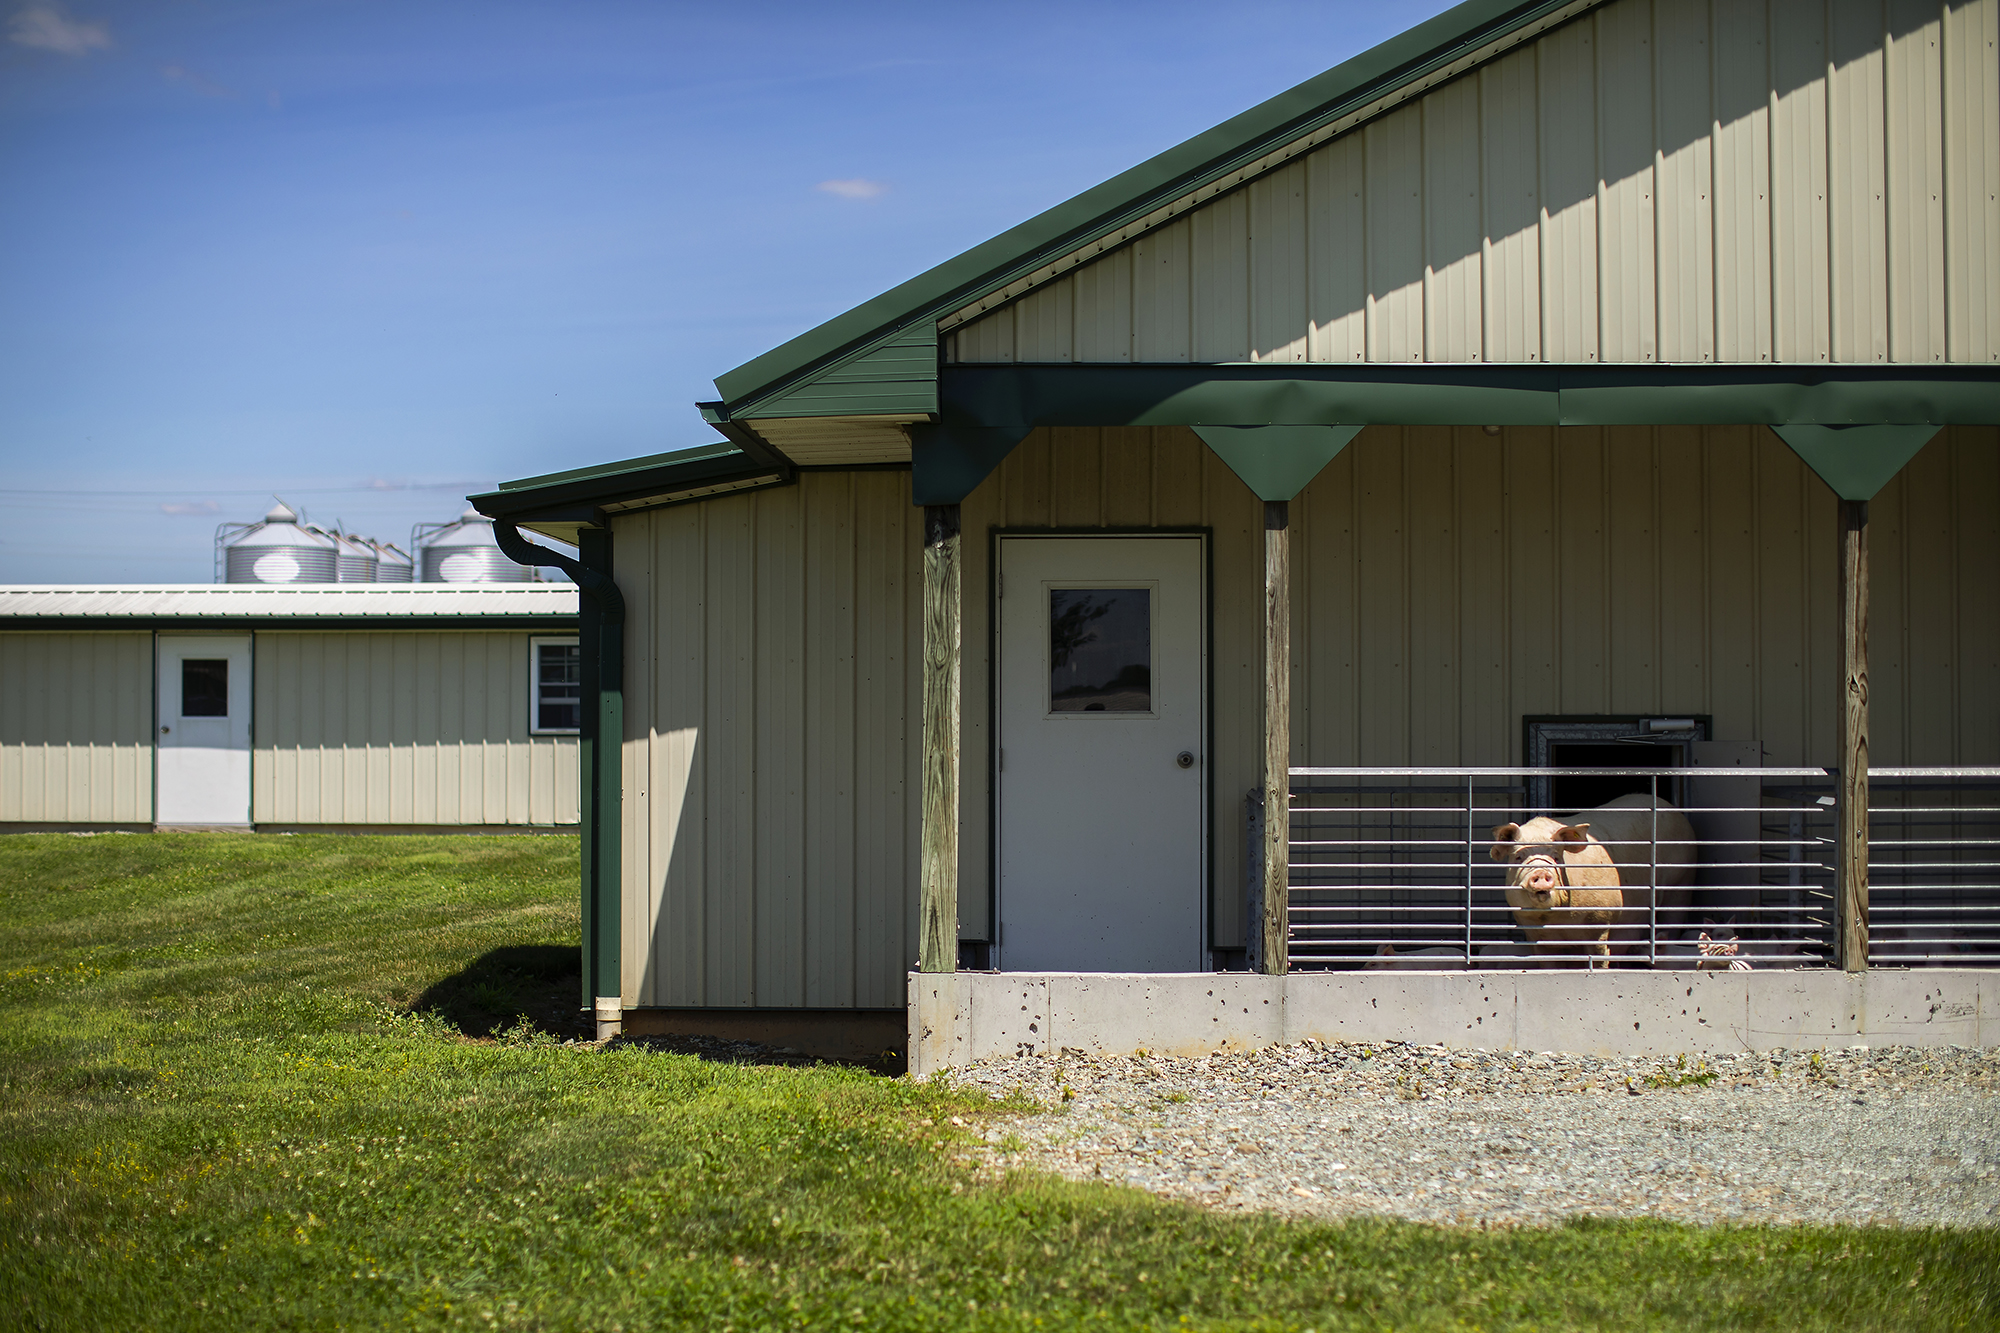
x=1503 y=834
x=1573 y=833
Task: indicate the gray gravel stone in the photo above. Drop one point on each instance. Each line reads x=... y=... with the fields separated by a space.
x=1894 y=1135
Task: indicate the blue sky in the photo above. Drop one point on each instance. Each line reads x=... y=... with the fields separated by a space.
x=372 y=256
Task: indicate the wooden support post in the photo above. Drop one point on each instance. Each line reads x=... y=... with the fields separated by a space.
x=1277 y=732
x=938 y=887
x=1850 y=875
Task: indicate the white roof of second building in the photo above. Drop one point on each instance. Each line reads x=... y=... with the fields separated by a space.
x=213 y=601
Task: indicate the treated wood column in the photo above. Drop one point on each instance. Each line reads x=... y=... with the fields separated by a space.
x=1277 y=730
x=1850 y=873
x=938 y=893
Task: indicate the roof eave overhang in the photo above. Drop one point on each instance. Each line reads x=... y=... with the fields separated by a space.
x=572 y=501
x=549 y=623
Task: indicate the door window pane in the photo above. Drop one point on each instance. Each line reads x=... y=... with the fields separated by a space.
x=558 y=687
x=204 y=687
x=1101 y=650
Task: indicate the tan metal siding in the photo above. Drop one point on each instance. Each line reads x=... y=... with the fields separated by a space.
x=769 y=820
x=1799 y=181
x=1452 y=583
x=1510 y=241
x=403 y=727
x=1972 y=171
x=1337 y=327
x=76 y=728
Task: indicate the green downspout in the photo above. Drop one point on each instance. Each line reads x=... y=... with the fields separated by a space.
x=601 y=732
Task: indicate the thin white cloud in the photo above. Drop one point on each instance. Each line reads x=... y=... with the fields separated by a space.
x=47 y=28
x=191 y=507
x=856 y=188
x=196 y=81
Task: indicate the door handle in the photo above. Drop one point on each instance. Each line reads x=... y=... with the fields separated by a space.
x=1185 y=759
x=165 y=730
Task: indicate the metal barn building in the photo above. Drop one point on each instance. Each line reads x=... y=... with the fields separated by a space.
x=1565 y=402
x=330 y=708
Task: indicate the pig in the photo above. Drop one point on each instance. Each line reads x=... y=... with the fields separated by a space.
x=1626 y=828
x=1389 y=957
x=1563 y=888
x=1703 y=954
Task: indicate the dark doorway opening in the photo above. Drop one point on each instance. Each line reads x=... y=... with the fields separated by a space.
x=1606 y=743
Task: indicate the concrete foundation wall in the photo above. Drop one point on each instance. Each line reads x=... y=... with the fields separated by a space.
x=962 y=1018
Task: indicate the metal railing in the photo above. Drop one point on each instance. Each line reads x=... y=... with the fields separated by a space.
x=1392 y=868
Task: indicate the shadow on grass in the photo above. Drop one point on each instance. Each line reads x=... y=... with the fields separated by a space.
x=539 y=982
x=543 y=983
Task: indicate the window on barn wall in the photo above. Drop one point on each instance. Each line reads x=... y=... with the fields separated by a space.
x=1606 y=743
x=555 y=701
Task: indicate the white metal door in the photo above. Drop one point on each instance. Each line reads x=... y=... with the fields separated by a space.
x=1102 y=688
x=204 y=729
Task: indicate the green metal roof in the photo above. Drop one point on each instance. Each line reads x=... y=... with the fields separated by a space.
x=1132 y=194
x=572 y=498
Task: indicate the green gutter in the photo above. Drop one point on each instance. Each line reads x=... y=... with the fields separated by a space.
x=1132 y=194
x=600 y=750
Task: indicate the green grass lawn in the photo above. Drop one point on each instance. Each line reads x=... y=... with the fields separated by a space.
x=218 y=1110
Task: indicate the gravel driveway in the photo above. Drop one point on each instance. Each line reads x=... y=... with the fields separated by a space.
x=1898 y=1135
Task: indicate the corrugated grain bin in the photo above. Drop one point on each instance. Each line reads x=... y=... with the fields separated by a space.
x=466 y=552
x=278 y=550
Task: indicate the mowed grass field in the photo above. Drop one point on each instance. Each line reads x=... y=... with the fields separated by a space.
x=218 y=1109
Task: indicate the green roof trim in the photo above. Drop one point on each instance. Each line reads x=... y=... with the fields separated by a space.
x=1277 y=462
x=1856 y=461
x=575 y=496
x=910 y=311
x=698 y=453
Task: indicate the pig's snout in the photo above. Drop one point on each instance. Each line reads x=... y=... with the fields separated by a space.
x=1540 y=878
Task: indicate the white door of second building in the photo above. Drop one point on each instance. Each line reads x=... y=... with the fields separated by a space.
x=204 y=729
x=1100 y=771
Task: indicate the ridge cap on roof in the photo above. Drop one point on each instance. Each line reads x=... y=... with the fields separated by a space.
x=1377 y=71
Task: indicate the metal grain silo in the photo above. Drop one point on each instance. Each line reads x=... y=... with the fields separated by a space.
x=392 y=565
x=465 y=552
x=354 y=557
x=277 y=550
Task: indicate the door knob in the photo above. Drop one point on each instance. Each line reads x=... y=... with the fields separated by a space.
x=1185 y=759
x=165 y=730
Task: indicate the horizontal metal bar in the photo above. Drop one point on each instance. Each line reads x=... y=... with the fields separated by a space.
x=1693 y=772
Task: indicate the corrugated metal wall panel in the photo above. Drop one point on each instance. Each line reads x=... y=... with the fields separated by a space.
x=1914 y=130
x=1626 y=244
x=1856 y=182
x=1454 y=324
x=1511 y=252
x=1789 y=180
x=1280 y=281
x=1337 y=321
x=1219 y=279
x=1394 y=200
x=1684 y=173
x=1799 y=322
x=1160 y=294
x=403 y=727
x=76 y=728
x=1567 y=105
x=769 y=706
x=1633 y=570
x=1972 y=170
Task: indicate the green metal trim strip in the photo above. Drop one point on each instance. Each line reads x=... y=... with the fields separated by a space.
x=569 y=495
x=1277 y=462
x=989 y=409
x=1132 y=194
x=1856 y=461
